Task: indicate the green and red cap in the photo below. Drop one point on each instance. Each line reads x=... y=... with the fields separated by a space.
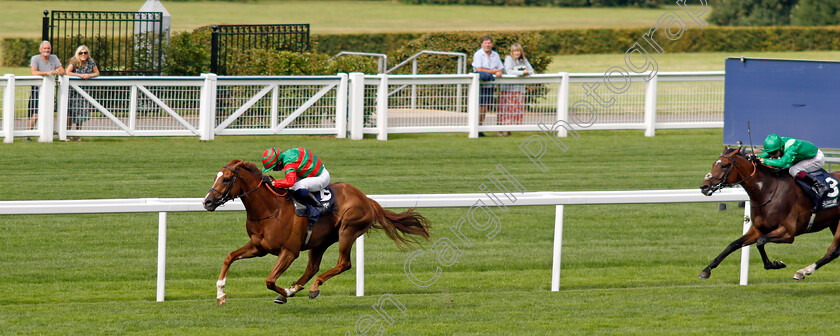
x=270 y=158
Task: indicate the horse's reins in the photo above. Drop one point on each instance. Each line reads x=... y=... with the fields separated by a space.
x=723 y=179
x=226 y=194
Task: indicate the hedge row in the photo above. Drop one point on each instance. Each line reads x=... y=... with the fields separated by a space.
x=559 y=3
x=188 y=52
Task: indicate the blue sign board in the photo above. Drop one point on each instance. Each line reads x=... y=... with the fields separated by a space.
x=792 y=98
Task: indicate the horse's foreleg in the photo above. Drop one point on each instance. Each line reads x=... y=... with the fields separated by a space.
x=244 y=252
x=315 y=256
x=745 y=240
x=345 y=243
x=832 y=253
x=284 y=260
x=779 y=235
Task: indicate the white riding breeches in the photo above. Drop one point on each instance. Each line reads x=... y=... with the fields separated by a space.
x=314 y=183
x=809 y=165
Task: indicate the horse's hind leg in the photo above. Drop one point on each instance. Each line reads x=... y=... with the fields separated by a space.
x=745 y=240
x=284 y=260
x=244 y=252
x=345 y=243
x=315 y=256
x=832 y=253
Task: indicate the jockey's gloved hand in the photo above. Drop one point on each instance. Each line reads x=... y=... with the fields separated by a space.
x=267 y=180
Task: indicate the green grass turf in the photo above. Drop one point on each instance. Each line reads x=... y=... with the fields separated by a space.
x=627 y=269
x=23 y=18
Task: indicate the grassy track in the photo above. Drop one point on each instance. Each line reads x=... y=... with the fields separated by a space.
x=23 y=18
x=627 y=269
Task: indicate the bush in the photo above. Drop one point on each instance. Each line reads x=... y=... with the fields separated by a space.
x=18 y=51
x=188 y=53
x=383 y=43
x=469 y=43
x=256 y=62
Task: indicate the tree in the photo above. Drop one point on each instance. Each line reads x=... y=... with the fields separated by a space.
x=752 y=12
x=816 y=13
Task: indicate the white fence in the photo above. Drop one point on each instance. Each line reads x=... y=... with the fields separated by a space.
x=210 y=105
x=558 y=199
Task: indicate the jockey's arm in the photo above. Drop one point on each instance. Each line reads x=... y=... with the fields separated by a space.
x=782 y=162
x=289 y=180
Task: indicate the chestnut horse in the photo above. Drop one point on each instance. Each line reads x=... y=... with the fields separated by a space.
x=780 y=208
x=274 y=228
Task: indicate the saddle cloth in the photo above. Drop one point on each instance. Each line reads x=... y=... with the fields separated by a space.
x=325 y=197
x=830 y=200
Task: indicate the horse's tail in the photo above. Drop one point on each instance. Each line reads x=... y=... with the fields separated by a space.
x=408 y=222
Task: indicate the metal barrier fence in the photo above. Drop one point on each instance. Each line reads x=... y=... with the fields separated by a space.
x=210 y=105
x=126 y=43
x=227 y=41
x=558 y=199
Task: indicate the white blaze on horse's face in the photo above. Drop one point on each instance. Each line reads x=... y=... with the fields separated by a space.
x=218 y=175
x=708 y=176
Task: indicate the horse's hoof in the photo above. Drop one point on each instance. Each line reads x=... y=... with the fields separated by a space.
x=280 y=299
x=779 y=264
x=705 y=274
x=220 y=301
x=799 y=276
x=314 y=294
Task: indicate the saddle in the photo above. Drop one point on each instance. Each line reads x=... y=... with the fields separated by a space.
x=324 y=197
x=326 y=203
x=830 y=200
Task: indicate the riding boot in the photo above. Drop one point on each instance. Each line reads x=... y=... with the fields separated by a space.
x=818 y=186
x=306 y=198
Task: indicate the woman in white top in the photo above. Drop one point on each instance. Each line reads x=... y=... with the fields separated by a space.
x=511 y=97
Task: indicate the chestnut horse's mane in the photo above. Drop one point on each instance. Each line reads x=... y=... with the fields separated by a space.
x=249 y=166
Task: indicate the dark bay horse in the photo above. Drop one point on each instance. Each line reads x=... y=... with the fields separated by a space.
x=274 y=228
x=780 y=209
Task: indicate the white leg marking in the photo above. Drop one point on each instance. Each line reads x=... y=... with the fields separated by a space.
x=220 y=287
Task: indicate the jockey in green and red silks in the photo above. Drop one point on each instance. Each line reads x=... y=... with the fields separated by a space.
x=798 y=156
x=303 y=172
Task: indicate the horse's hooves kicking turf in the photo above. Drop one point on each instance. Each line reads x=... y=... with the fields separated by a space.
x=280 y=299
x=314 y=294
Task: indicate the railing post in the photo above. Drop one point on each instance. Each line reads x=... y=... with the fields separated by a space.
x=45 y=26
x=382 y=108
x=357 y=105
x=9 y=109
x=650 y=107
x=207 y=107
x=62 y=96
x=46 y=109
x=745 y=251
x=161 y=261
x=414 y=86
x=558 y=246
x=472 y=106
x=563 y=103
x=214 y=50
x=360 y=266
x=341 y=107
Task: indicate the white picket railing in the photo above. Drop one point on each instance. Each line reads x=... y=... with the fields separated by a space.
x=558 y=199
x=383 y=104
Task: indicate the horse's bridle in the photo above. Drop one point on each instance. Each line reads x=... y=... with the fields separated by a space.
x=226 y=194
x=723 y=179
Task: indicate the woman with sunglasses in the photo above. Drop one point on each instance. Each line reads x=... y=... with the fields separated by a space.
x=82 y=66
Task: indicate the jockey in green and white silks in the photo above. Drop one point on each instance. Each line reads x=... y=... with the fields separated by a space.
x=799 y=156
x=303 y=172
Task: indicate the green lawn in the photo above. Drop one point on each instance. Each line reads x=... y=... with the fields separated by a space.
x=23 y=18
x=627 y=269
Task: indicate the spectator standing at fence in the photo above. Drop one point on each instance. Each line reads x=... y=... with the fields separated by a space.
x=43 y=64
x=83 y=66
x=512 y=96
x=488 y=65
